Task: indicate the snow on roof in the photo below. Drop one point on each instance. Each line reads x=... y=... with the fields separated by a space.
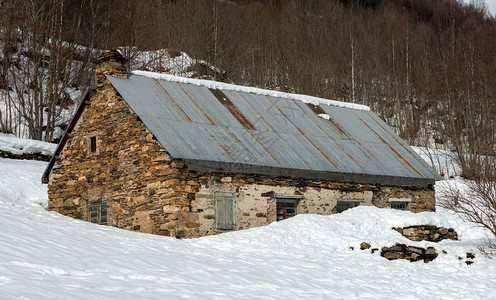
x=238 y=88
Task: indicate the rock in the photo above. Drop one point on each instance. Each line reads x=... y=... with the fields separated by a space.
x=430 y=254
x=226 y=179
x=430 y=251
x=416 y=250
x=171 y=209
x=393 y=255
x=70 y=203
x=470 y=255
x=409 y=232
x=364 y=246
x=398 y=247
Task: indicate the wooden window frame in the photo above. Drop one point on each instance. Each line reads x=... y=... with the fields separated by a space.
x=225 y=226
x=281 y=203
x=101 y=212
x=91 y=141
x=351 y=202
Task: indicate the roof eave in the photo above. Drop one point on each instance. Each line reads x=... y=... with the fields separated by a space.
x=65 y=137
x=234 y=168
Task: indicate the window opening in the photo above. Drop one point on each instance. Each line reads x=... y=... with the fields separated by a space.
x=343 y=205
x=401 y=205
x=286 y=208
x=92 y=145
x=98 y=212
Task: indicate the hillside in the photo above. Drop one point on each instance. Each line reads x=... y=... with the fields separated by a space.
x=427 y=67
x=44 y=255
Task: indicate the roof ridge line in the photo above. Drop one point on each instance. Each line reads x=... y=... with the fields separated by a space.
x=239 y=88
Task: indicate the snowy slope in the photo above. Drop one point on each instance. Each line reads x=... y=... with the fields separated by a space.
x=44 y=255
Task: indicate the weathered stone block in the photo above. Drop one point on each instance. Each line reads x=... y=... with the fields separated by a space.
x=192 y=224
x=171 y=209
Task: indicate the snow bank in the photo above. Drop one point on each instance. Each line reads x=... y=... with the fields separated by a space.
x=231 y=87
x=15 y=145
x=44 y=255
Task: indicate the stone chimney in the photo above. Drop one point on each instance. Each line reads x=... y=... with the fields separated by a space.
x=110 y=63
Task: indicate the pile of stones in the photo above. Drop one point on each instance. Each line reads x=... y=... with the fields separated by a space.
x=402 y=251
x=416 y=233
x=429 y=233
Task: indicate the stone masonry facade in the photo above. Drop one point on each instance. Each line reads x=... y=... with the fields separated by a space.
x=147 y=190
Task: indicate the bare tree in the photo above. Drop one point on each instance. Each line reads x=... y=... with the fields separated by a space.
x=476 y=202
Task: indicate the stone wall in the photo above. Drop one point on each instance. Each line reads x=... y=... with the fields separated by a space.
x=146 y=190
x=29 y=156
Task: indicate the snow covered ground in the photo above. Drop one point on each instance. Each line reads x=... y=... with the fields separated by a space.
x=44 y=255
x=11 y=143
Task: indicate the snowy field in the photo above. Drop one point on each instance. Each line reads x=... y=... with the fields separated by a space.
x=44 y=255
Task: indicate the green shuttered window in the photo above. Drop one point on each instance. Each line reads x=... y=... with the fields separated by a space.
x=345 y=205
x=401 y=205
x=224 y=211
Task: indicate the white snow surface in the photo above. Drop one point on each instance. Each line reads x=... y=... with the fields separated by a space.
x=442 y=161
x=324 y=116
x=238 y=88
x=45 y=255
x=16 y=145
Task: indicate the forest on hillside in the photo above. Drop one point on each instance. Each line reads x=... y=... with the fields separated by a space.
x=427 y=67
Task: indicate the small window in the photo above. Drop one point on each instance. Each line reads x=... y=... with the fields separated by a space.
x=401 y=205
x=224 y=211
x=346 y=204
x=92 y=145
x=98 y=212
x=286 y=208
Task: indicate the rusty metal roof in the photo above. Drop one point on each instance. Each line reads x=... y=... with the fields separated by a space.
x=234 y=131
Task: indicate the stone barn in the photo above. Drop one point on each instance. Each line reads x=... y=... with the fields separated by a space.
x=182 y=157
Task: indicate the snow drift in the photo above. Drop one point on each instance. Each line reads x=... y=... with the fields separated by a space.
x=44 y=255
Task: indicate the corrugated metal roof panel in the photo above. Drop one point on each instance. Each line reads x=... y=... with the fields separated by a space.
x=193 y=124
